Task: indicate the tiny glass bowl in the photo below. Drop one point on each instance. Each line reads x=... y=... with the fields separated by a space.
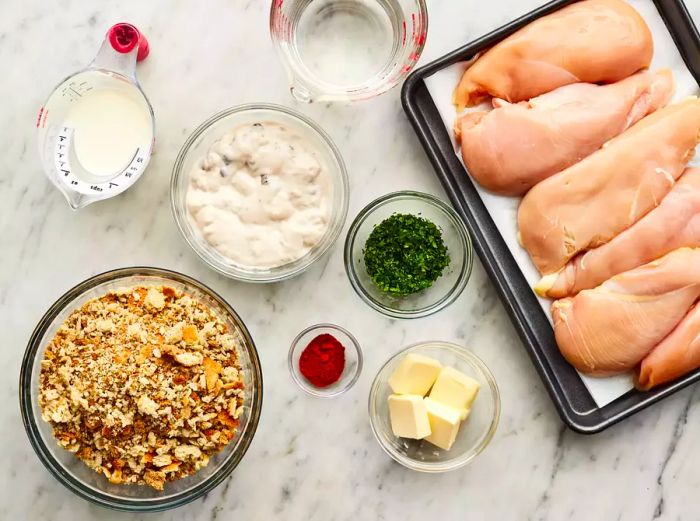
x=445 y=289
x=353 y=360
x=475 y=432
x=76 y=475
x=197 y=146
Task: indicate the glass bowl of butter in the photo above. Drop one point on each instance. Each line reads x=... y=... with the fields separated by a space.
x=434 y=406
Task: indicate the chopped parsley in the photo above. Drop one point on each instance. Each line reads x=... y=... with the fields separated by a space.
x=405 y=254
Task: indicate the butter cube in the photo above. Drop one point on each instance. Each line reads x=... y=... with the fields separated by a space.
x=455 y=389
x=415 y=375
x=409 y=416
x=444 y=423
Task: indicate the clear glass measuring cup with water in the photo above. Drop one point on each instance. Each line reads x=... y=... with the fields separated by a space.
x=347 y=49
x=96 y=128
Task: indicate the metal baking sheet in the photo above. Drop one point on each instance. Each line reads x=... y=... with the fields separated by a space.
x=566 y=388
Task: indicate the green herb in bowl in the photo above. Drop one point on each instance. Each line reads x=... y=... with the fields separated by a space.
x=405 y=254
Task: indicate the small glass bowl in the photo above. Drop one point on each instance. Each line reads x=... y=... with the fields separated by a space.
x=76 y=475
x=445 y=289
x=353 y=360
x=474 y=434
x=197 y=146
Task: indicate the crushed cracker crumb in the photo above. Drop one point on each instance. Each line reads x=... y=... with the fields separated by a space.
x=143 y=384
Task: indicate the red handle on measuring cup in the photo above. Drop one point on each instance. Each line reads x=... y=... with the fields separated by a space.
x=124 y=37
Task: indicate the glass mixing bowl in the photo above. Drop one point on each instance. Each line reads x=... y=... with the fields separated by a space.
x=75 y=474
x=445 y=289
x=474 y=434
x=197 y=146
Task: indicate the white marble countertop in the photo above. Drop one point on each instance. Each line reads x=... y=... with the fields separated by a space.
x=310 y=459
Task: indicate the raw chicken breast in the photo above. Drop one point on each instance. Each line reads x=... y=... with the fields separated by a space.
x=676 y=355
x=591 y=202
x=592 y=41
x=673 y=224
x=610 y=329
x=515 y=146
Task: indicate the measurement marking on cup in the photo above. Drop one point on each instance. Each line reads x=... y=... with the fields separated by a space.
x=72 y=179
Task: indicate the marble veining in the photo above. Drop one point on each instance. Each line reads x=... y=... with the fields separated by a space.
x=311 y=459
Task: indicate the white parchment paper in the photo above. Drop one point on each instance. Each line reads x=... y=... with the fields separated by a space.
x=503 y=210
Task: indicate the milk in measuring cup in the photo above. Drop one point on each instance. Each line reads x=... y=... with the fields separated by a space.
x=109 y=129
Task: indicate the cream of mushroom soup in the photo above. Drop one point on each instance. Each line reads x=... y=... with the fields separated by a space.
x=261 y=196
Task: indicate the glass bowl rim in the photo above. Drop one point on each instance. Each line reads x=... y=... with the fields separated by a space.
x=319 y=393
x=465 y=240
x=44 y=453
x=278 y=273
x=460 y=461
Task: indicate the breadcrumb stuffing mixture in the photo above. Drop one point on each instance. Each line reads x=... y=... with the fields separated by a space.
x=143 y=385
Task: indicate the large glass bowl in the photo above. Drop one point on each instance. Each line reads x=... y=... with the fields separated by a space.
x=445 y=289
x=75 y=474
x=475 y=432
x=197 y=146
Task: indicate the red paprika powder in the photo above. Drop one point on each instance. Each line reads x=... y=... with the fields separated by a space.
x=322 y=361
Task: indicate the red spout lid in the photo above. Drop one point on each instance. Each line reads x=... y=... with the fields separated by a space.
x=124 y=37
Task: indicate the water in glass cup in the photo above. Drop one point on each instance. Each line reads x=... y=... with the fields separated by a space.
x=347 y=49
x=345 y=42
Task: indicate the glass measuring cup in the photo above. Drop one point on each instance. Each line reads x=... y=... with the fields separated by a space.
x=96 y=129
x=347 y=49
